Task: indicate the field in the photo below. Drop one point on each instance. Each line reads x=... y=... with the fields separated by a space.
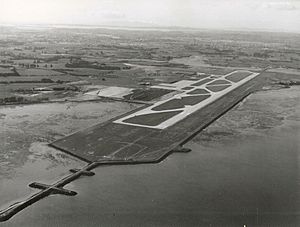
x=135 y=59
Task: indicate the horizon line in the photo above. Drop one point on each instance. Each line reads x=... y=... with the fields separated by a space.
x=146 y=27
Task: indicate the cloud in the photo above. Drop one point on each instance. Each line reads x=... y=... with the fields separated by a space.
x=280 y=5
x=113 y=15
x=228 y=14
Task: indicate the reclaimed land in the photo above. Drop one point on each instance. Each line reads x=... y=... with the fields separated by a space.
x=110 y=141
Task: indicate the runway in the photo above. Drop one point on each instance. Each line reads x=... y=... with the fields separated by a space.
x=152 y=132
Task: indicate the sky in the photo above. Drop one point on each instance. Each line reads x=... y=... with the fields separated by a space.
x=269 y=15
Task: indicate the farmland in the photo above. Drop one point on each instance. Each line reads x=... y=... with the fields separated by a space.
x=67 y=87
x=37 y=58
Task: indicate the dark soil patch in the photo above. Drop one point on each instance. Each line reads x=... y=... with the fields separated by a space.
x=146 y=94
x=202 y=82
x=152 y=119
x=218 y=82
x=238 y=76
x=217 y=88
x=180 y=103
x=198 y=92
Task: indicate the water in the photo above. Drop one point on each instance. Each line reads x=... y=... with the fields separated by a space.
x=243 y=170
x=25 y=132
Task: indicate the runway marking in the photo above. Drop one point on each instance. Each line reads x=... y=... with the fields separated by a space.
x=186 y=102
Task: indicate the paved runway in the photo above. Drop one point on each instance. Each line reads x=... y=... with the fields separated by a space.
x=152 y=132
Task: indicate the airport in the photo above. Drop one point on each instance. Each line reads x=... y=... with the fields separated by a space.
x=148 y=127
